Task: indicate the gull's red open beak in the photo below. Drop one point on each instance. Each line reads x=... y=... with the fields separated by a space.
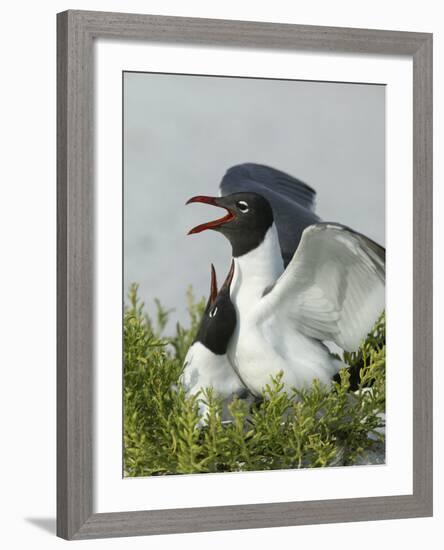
x=215 y=201
x=229 y=278
x=213 y=286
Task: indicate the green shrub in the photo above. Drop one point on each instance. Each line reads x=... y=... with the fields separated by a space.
x=318 y=427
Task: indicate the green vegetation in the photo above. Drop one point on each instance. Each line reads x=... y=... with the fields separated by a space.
x=318 y=427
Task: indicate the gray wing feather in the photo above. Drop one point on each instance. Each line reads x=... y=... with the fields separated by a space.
x=334 y=287
x=241 y=177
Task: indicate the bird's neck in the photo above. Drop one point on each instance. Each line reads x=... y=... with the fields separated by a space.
x=257 y=270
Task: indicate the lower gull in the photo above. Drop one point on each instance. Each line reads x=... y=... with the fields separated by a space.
x=206 y=363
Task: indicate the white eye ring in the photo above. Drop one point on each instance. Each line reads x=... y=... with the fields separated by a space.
x=213 y=311
x=243 y=206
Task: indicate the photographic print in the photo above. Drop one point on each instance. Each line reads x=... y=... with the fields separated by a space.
x=254 y=274
x=221 y=278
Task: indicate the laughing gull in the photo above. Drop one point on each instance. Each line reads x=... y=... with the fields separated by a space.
x=333 y=289
x=250 y=228
x=266 y=207
x=206 y=363
x=292 y=201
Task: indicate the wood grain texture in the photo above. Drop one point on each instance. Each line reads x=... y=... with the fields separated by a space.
x=423 y=273
x=62 y=294
x=247 y=33
x=74 y=276
x=76 y=31
x=253 y=516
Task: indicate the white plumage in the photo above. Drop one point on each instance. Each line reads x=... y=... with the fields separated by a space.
x=206 y=364
x=205 y=369
x=332 y=290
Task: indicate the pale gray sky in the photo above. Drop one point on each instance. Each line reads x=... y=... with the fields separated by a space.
x=182 y=132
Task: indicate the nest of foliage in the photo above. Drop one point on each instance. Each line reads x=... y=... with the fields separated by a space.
x=318 y=427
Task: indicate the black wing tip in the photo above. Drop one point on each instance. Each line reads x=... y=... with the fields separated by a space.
x=376 y=247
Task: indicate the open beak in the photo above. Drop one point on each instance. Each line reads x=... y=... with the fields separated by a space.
x=213 y=287
x=227 y=282
x=215 y=201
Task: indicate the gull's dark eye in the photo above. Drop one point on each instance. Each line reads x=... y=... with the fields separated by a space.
x=213 y=311
x=243 y=206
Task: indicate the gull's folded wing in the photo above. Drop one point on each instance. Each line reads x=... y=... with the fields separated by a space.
x=333 y=289
x=292 y=201
x=245 y=177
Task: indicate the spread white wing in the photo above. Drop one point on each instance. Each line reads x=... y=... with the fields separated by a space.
x=333 y=289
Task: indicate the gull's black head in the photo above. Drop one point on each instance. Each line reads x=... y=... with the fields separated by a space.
x=248 y=218
x=219 y=319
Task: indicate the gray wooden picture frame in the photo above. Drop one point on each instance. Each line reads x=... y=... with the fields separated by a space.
x=76 y=32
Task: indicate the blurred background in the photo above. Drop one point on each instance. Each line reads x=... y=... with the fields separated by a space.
x=182 y=132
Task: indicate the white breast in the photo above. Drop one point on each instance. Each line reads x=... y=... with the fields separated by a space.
x=258 y=350
x=263 y=351
x=256 y=271
x=203 y=369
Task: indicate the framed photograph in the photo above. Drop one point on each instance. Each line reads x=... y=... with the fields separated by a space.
x=244 y=275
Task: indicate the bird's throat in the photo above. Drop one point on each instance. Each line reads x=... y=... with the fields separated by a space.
x=256 y=271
